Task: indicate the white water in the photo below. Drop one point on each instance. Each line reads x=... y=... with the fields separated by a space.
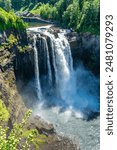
x=38 y=87
x=62 y=61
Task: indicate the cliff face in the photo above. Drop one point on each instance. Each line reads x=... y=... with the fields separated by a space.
x=8 y=89
x=15 y=67
x=24 y=65
x=86 y=48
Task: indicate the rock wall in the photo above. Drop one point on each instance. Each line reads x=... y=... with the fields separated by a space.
x=24 y=65
x=85 y=48
x=8 y=88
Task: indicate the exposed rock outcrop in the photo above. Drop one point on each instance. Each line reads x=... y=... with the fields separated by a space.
x=54 y=141
x=8 y=89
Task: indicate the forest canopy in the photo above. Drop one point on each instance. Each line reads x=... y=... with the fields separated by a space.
x=8 y=20
x=80 y=15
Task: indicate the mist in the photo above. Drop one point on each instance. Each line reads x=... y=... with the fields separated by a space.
x=79 y=94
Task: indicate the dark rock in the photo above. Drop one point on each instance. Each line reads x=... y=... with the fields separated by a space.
x=24 y=65
x=86 y=48
x=42 y=126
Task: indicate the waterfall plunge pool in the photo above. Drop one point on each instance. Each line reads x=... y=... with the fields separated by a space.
x=82 y=132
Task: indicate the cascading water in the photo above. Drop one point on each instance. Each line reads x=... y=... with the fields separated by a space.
x=59 y=82
x=58 y=68
x=38 y=87
x=61 y=62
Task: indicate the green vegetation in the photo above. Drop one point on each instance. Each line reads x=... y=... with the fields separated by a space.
x=4 y=114
x=80 y=15
x=46 y=11
x=13 y=28
x=9 y=21
x=22 y=49
x=11 y=40
x=18 y=136
x=6 y=4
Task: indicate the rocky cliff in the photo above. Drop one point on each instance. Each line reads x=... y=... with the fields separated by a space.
x=85 y=48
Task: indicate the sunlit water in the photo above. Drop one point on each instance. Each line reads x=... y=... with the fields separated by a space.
x=82 y=132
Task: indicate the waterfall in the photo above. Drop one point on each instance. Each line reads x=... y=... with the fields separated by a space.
x=57 y=83
x=62 y=62
x=63 y=70
x=38 y=87
x=56 y=63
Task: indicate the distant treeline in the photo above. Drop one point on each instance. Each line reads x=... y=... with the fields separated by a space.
x=80 y=15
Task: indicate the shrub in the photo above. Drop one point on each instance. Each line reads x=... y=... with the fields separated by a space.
x=10 y=21
x=4 y=114
x=17 y=137
x=12 y=40
x=45 y=11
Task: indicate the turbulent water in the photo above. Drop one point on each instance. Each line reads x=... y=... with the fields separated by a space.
x=67 y=96
x=82 y=132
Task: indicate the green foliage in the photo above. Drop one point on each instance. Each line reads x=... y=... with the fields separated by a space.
x=83 y=16
x=10 y=21
x=70 y=16
x=80 y=15
x=6 y=4
x=12 y=40
x=90 y=17
x=46 y=11
x=22 y=49
x=4 y=114
x=17 y=137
